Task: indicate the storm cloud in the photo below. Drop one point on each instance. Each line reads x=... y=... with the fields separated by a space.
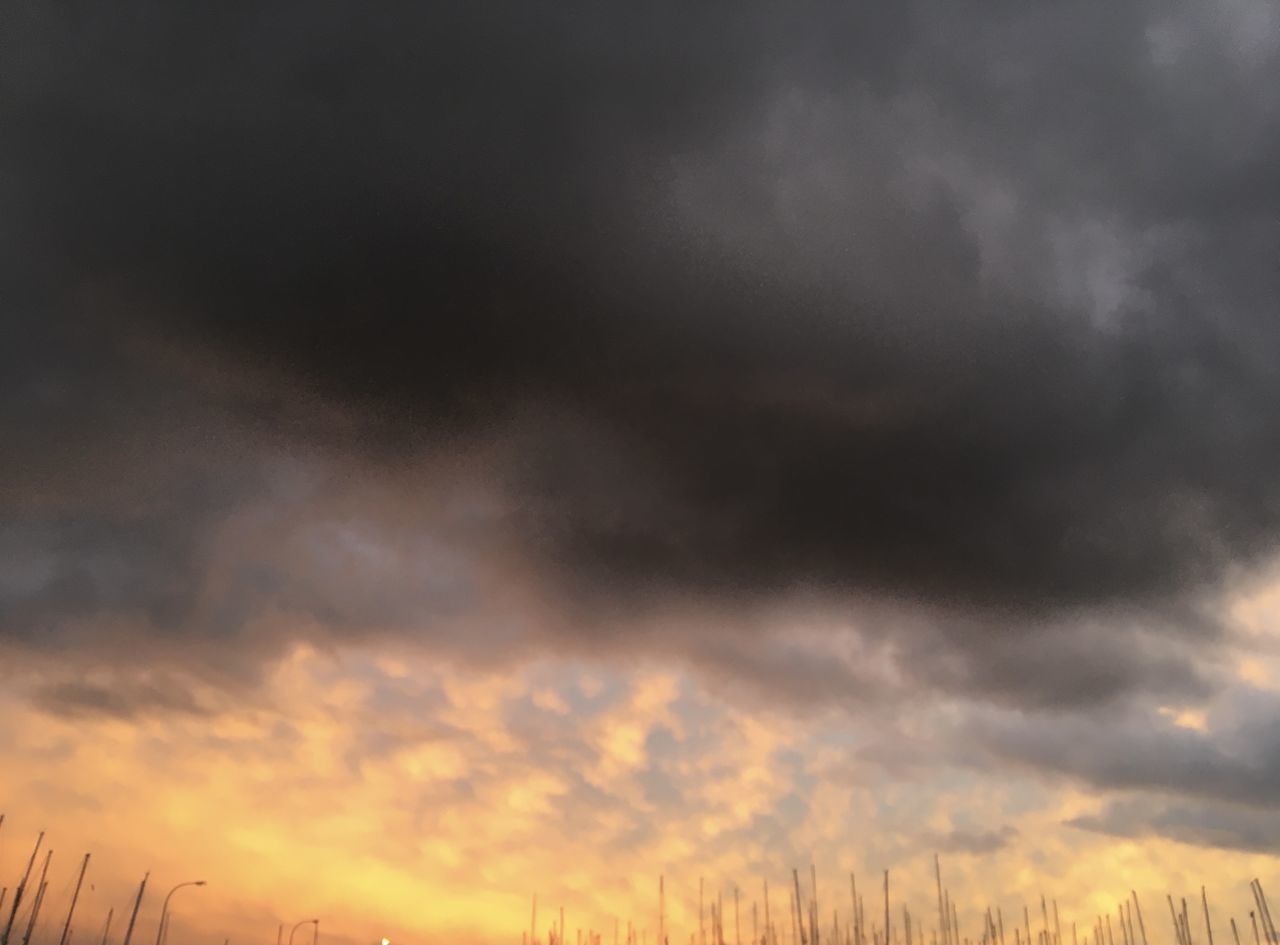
x=957 y=318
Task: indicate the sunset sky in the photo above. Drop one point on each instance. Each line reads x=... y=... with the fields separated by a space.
x=452 y=452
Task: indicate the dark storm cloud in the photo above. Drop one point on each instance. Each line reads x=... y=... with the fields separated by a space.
x=1079 y=660
x=967 y=308
x=128 y=700
x=975 y=842
x=1196 y=823
x=1237 y=761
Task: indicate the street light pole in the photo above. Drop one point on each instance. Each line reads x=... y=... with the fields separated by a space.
x=315 y=922
x=164 y=911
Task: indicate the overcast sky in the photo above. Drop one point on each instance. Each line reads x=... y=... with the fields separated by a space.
x=522 y=445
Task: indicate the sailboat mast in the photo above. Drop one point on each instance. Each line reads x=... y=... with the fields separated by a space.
x=66 y=928
x=17 y=893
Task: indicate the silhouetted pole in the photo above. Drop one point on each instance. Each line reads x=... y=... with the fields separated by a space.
x=35 y=906
x=942 y=915
x=35 y=912
x=66 y=928
x=133 y=917
x=164 y=910
x=795 y=878
x=662 y=910
x=737 y=929
x=768 y=922
x=886 y=908
x=18 y=893
x=107 y=926
x=813 y=905
x=300 y=925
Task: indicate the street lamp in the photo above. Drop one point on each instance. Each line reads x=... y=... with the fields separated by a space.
x=164 y=911
x=315 y=935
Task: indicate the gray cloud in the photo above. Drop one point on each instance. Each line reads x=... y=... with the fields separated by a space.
x=957 y=317
x=1196 y=823
x=1236 y=761
x=975 y=842
x=126 y=699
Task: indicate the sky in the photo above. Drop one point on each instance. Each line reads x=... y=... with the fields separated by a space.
x=459 y=452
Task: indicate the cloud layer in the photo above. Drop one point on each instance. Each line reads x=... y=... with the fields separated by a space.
x=965 y=311
x=392 y=796
x=908 y=364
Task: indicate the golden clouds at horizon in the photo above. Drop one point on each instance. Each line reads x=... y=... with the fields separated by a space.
x=399 y=796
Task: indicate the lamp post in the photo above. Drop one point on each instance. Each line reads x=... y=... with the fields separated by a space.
x=315 y=935
x=164 y=911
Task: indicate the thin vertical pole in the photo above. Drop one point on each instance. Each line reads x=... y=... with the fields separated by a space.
x=133 y=917
x=35 y=912
x=1208 y=927
x=1137 y=907
x=21 y=890
x=795 y=876
x=1173 y=914
x=814 y=912
x=737 y=928
x=942 y=915
x=662 y=910
x=853 y=899
x=769 y=934
x=886 y=908
x=1265 y=910
x=66 y=929
x=35 y=907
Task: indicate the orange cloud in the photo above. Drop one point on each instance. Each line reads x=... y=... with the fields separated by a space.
x=398 y=797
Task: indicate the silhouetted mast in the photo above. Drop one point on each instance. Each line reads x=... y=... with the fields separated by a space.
x=17 y=893
x=35 y=906
x=107 y=925
x=662 y=910
x=133 y=917
x=66 y=929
